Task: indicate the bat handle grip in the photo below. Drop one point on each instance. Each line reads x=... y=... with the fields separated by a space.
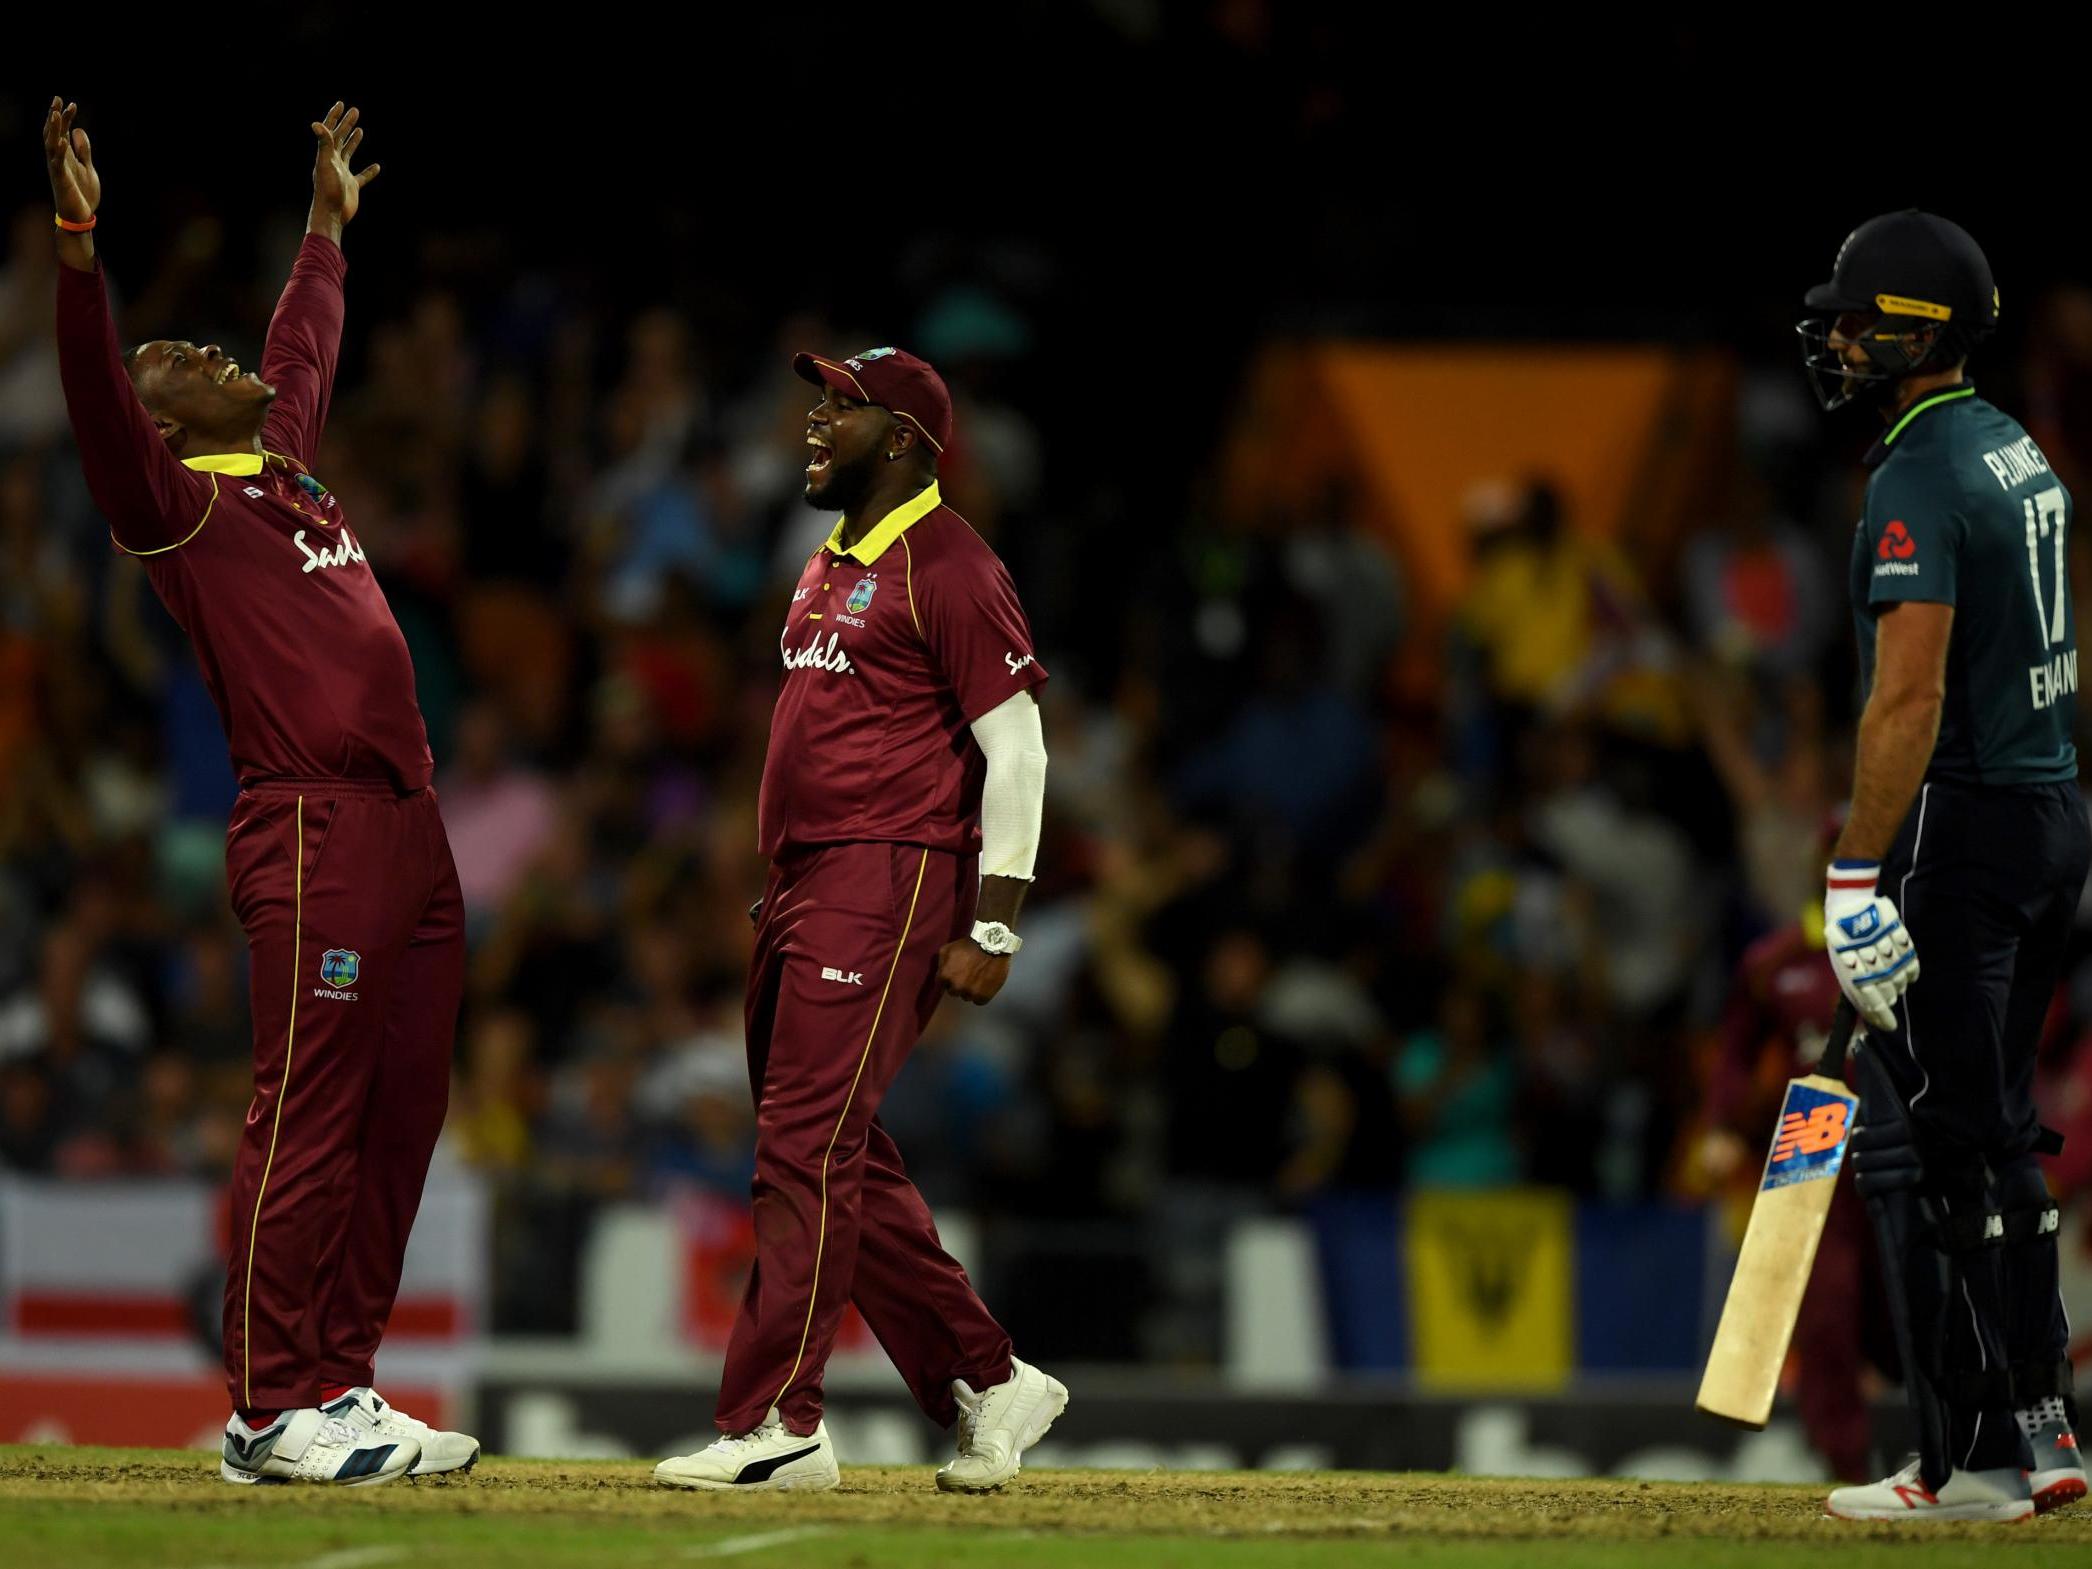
x=1832 y=1063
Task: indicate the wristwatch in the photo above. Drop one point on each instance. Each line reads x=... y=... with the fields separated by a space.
x=996 y=938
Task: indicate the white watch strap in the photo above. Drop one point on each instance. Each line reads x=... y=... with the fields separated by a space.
x=996 y=938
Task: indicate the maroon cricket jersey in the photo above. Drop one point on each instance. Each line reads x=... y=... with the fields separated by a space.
x=891 y=649
x=249 y=552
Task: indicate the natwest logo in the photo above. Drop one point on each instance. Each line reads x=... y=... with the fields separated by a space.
x=1896 y=543
x=818 y=655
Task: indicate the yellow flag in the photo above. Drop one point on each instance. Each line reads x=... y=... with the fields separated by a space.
x=1492 y=1292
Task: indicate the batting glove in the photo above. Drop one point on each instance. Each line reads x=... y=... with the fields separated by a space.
x=1870 y=950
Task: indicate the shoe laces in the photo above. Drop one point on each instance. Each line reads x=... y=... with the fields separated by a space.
x=969 y=1417
x=340 y=1430
x=734 y=1443
x=385 y=1417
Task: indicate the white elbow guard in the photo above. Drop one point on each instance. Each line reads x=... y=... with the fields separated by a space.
x=1013 y=796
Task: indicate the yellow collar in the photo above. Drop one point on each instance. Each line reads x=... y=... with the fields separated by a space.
x=880 y=539
x=226 y=463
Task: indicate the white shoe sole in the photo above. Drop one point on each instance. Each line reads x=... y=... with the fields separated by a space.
x=232 y=1473
x=2001 y=1514
x=816 y=1482
x=2054 y=1489
x=463 y=1467
x=1044 y=1411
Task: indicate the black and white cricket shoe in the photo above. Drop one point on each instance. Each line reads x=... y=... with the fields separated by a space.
x=441 y=1450
x=766 y=1460
x=310 y=1445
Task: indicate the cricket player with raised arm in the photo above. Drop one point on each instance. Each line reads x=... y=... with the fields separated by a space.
x=900 y=811
x=338 y=865
x=1966 y=849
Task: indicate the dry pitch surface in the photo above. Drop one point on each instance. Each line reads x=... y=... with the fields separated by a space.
x=163 y=1509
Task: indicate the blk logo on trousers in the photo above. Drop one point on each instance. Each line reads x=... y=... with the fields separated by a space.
x=847 y=977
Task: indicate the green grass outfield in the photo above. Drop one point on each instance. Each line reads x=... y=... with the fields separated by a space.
x=166 y=1509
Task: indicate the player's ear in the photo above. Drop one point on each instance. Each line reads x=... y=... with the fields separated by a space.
x=175 y=435
x=900 y=441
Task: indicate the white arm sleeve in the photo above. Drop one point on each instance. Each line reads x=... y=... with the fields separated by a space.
x=1013 y=797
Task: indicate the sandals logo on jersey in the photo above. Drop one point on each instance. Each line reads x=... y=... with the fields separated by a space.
x=1811 y=1142
x=861 y=595
x=339 y=968
x=1895 y=550
x=817 y=655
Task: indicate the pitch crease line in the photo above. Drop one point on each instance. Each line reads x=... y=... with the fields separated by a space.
x=734 y=1546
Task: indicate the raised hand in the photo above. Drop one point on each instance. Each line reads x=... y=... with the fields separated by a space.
x=336 y=190
x=76 y=185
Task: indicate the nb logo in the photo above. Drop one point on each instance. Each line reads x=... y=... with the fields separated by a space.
x=254 y=491
x=1822 y=1129
x=852 y=978
x=1864 y=924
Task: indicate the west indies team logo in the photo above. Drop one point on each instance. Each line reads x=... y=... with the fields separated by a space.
x=320 y=494
x=339 y=967
x=1896 y=543
x=861 y=595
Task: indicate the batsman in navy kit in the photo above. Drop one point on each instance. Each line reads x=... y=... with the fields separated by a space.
x=1965 y=852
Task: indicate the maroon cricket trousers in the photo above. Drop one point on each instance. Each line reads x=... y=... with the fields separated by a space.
x=843 y=980
x=356 y=933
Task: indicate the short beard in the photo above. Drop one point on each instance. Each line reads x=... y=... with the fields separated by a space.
x=846 y=490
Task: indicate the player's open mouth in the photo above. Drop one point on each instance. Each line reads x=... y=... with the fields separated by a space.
x=823 y=455
x=230 y=374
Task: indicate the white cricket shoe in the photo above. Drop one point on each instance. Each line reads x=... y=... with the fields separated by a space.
x=2001 y=1494
x=441 y=1451
x=2058 y=1476
x=310 y=1445
x=764 y=1461
x=997 y=1425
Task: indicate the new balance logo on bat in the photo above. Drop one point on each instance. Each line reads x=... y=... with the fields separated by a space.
x=1811 y=1142
x=1820 y=1130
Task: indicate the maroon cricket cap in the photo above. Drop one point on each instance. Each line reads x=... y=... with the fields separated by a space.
x=896 y=380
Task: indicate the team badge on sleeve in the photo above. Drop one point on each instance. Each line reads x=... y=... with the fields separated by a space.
x=861 y=595
x=339 y=967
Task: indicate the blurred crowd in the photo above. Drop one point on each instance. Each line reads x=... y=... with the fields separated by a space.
x=1308 y=923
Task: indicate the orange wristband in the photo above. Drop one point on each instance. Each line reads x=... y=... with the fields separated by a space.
x=73 y=228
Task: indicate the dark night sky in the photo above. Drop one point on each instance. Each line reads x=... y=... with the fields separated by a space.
x=1236 y=168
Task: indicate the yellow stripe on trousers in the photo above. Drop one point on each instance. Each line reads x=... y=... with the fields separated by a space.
x=821 y=1243
x=283 y=1092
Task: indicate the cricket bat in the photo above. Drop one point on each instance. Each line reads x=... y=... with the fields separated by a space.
x=1779 y=1247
